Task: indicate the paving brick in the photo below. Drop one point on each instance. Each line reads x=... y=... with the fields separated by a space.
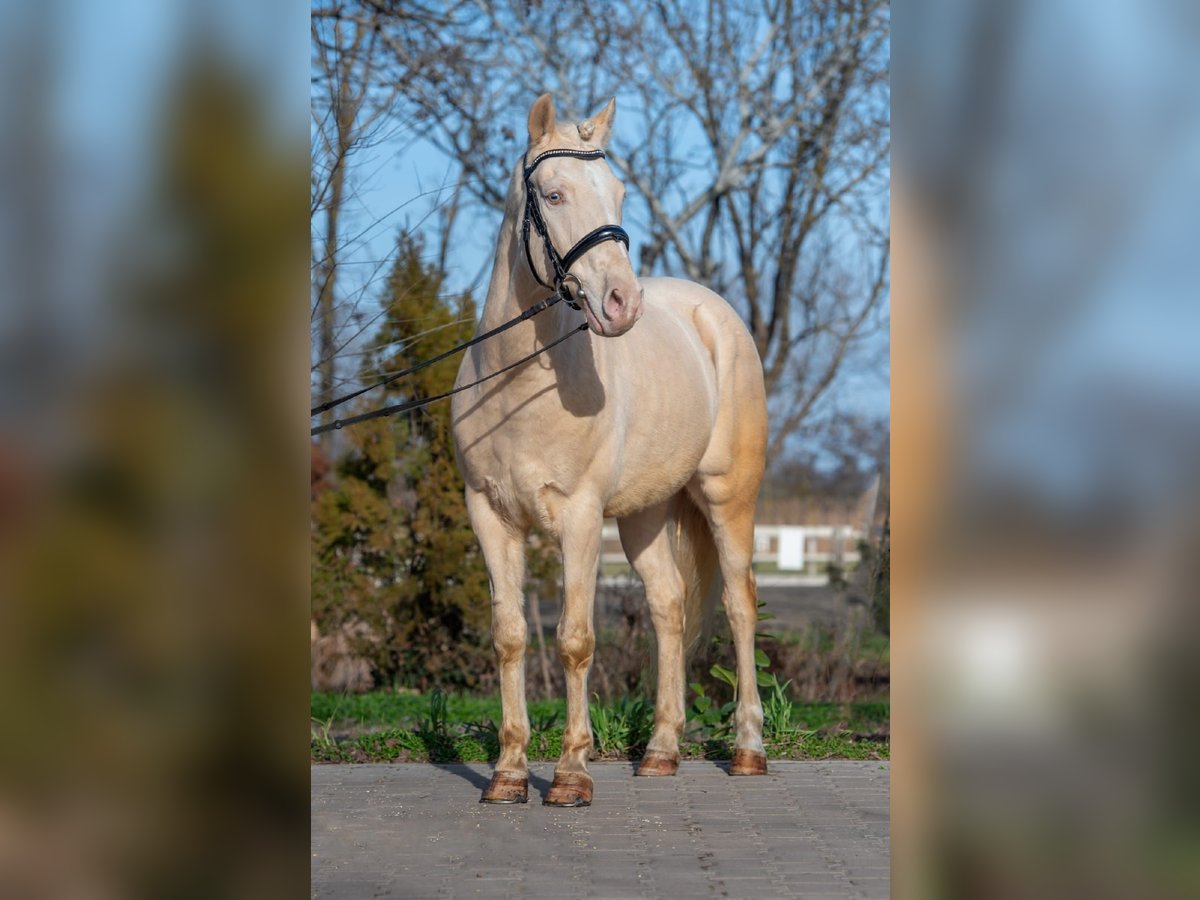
x=406 y=830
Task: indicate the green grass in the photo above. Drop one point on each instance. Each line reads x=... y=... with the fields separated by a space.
x=394 y=709
x=616 y=569
x=394 y=745
x=386 y=726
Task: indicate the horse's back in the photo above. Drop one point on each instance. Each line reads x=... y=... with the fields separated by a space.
x=717 y=324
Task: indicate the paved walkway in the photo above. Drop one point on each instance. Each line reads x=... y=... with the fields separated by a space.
x=809 y=829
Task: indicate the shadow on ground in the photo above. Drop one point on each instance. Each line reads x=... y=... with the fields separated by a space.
x=480 y=780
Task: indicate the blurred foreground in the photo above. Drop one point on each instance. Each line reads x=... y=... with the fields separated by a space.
x=153 y=516
x=1046 y=428
x=152 y=451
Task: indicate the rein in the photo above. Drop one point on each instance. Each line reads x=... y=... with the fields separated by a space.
x=424 y=401
x=479 y=338
x=562 y=265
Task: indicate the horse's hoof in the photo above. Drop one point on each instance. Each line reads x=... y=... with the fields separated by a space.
x=748 y=762
x=569 y=789
x=506 y=788
x=656 y=762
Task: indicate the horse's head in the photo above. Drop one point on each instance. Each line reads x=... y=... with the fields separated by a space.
x=570 y=198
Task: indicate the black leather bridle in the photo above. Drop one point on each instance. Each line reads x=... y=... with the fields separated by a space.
x=533 y=214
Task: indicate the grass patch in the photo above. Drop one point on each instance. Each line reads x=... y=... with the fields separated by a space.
x=389 y=726
x=390 y=708
x=619 y=569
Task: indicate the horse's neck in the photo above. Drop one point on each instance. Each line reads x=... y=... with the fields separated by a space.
x=572 y=369
x=512 y=291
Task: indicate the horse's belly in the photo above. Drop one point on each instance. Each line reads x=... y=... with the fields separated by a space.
x=638 y=493
x=660 y=454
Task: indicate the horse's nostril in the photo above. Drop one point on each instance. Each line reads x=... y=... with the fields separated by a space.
x=615 y=303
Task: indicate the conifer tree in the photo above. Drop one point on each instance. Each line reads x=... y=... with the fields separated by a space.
x=392 y=544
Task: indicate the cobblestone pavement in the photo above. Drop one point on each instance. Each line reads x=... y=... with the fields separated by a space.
x=809 y=829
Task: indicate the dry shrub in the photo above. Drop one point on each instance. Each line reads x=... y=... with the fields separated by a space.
x=823 y=664
x=336 y=664
x=831 y=665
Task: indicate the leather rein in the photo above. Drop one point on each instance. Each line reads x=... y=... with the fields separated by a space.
x=561 y=265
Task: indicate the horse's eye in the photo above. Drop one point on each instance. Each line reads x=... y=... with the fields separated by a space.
x=554 y=197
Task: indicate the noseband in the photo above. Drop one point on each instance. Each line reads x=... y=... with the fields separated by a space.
x=533 y=213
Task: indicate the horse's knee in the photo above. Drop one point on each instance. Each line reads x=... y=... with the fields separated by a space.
x=509 y=642
x=576 y=646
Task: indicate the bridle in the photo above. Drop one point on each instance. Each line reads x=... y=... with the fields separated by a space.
x=533 y=214
x=562 y=266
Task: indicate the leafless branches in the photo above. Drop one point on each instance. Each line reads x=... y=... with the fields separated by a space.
x=358 y=85
x=754 y=141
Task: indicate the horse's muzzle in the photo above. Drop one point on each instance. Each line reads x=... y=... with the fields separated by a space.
x=622 y=307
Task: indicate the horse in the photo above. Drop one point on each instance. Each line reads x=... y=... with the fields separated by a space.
x=654 y=414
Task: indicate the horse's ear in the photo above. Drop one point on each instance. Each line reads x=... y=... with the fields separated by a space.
x=598 y=129
x=541 y=118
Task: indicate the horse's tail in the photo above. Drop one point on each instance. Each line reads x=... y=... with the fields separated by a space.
x=696 y=557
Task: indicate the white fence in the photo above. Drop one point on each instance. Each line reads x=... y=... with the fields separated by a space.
x=789 y=548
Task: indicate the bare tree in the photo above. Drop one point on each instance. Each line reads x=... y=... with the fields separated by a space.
x=357 y=85
x=756 y=148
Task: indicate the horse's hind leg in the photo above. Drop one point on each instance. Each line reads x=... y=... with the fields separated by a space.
x=504 y=552
x=732 y=519
x=647 y=544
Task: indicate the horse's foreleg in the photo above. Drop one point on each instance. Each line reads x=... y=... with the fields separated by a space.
x=504 y=552
x=647 y=544
x=579 y=526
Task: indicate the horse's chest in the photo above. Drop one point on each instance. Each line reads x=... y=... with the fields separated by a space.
x=525 y=466
x=531 y=491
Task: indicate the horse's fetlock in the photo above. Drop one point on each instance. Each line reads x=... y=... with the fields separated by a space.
x=668 y=728
x=577 y=745
x=514 y=734
x=749 y=715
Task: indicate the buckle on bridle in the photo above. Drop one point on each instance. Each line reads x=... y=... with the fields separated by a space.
x=566 y=295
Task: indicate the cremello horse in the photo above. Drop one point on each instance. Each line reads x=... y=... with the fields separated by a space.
x=655 y=416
